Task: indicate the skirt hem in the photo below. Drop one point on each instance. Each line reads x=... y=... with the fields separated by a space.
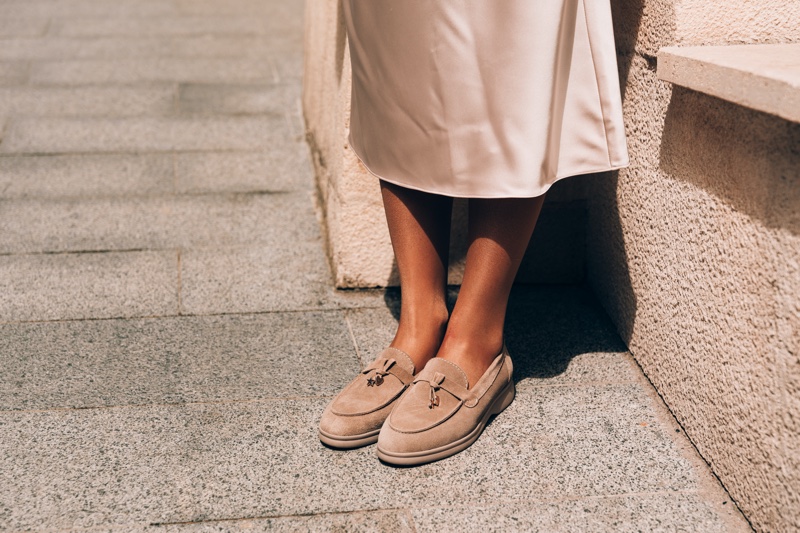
x=541 y=191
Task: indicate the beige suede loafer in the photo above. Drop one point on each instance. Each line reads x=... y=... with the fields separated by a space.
x=354 y=418
x=439 y=416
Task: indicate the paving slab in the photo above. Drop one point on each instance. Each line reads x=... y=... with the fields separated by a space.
x=168 y=222
x=93 y=363
x=287 y=169
x=206 y=45
x=283 y=21
x=147 y=46
x=13 y=72
x=213 y=45
x=183 y=25
x=275 y=13
x=77 y=286
x=22 y=9
x=373 y=330
x=148 y=70
x=39 y=48
x=84 y=8
x=87 y=101
x=366 y=298
x=231 y=46
x=85 y=176
x=22 y=27
x=290 y=276
x=251 y=99
x=561 y=334
x=145 y=134
x=626 y=514
x=252 y=279
x=288 y=66
x=370 y=521
x=100 y=467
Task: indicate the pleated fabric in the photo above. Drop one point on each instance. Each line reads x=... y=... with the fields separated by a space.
x=484 y=98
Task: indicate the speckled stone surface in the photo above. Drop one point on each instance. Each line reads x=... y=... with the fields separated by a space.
x=208 y=45
x=292 y=276
x=623 y=514
x=64 y=135
x=22 y=27
x=372 y=521
x=559 y=335
x=94 y=285
x=184 y=26
x=85 y=8
x=74 y=468
x=274 y=170
x=246 y=99
x=246 y=279
x=13 y=72
x=170 y=222
x=174 y=360
x=77 y=176
x=87 y=101
x=362 y=521
x=373 y=330
x=148 y=70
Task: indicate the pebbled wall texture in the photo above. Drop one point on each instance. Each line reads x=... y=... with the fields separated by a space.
x=694 y=250
x=348 y=202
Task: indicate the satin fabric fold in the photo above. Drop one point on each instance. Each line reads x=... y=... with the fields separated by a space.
x=484 y=98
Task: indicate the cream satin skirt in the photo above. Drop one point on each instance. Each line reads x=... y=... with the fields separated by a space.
x=484 y=98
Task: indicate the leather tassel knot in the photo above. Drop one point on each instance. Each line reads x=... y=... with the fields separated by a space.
x=377 y=378
x=435 y=385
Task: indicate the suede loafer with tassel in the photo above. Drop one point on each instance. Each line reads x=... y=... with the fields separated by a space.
x=355 y=416
x=440 y=415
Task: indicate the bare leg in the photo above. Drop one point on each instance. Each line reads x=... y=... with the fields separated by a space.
x=499 y=231
x=419 y=226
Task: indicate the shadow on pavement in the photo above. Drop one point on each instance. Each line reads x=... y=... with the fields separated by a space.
x=546 y=327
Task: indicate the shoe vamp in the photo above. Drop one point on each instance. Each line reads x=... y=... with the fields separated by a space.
x=416 y=413
x=360 y=398
x=353 y=425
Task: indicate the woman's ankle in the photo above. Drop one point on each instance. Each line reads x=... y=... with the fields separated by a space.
x=421 y=336
x=472 y=353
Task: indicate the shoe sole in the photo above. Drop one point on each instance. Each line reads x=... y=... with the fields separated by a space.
x=347 y=442
x=500 y=403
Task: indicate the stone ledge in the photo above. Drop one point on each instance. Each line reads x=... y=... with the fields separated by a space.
x=765 y=77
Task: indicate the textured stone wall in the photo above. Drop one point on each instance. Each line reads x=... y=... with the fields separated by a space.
x=349 y=201
x=695 y=251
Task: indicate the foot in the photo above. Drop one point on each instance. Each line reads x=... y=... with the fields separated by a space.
x=438 y=416
x=354 y=418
